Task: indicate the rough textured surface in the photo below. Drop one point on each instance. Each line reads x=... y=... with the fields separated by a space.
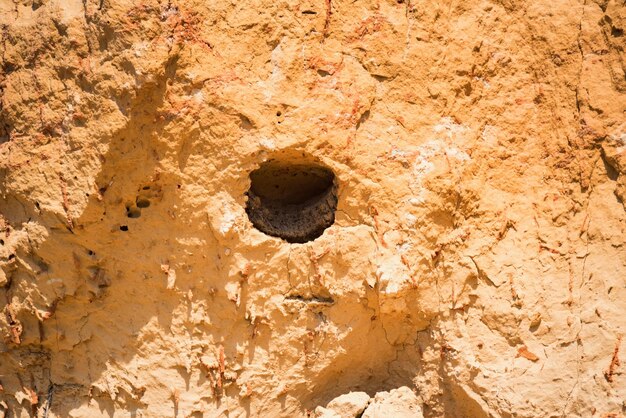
x=477 y=255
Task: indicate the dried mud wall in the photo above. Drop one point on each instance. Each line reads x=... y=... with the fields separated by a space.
x=477 y=254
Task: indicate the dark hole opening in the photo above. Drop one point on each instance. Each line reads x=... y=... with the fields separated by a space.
x=292 y=201
x=133 y=212
x=142 y=202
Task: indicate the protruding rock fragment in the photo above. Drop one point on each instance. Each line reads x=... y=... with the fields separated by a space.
x=397 y=403
x=349 y=405
x=321 y=412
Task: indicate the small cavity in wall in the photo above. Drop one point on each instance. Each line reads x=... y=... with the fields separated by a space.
x=292 y=199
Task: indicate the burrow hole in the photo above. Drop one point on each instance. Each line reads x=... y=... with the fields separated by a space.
x=142 y=201
x=293 y=200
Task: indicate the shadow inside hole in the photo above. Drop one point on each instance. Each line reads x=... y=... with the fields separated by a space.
x=142 y=202
x=292 y=201
x=133 y=212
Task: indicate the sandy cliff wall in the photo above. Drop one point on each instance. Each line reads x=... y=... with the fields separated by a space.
x=478 y=249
